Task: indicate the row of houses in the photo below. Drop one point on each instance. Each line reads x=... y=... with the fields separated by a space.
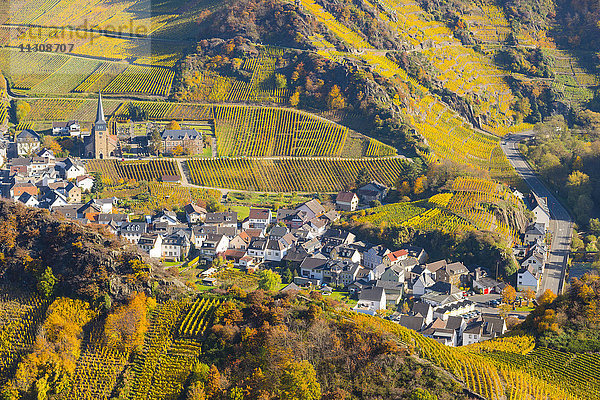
x=44 y=181
x=533 y=254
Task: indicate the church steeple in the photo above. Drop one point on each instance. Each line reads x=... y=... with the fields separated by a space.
x=100 y=111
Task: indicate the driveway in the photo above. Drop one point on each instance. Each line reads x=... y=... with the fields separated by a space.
x=561 y=223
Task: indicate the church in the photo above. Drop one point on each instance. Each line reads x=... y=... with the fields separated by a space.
x=100 y=143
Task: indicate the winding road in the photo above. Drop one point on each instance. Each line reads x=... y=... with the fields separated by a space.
x=560 y=225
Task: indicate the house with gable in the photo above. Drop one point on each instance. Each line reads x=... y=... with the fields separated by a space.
x=420 y=284
x=312 y=209
x=539 y=207
x=259 y=218
x=194 y=214
x=166 y=216
x=374 y=256
x=346 y=201
x=371 y=300
x=528 y=278
x=535 y=232
x=372 y=191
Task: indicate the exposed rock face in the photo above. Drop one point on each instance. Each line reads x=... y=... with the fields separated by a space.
x=88 y=262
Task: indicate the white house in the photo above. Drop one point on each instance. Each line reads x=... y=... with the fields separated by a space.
x=214 y=245
x=536 y=261
x=194 y=213
x=28 y=200
x=346 y=201
x=313 y=268
x=534 y=233
x=46 y=153
x=528 y=278
x=539 y=207
x=257 y=248
x=66 y=128
x=259 y=218
x=133 y=231
x=151 y=245
x=175 y=247
x=166 y=216
x=421 y=283
x=372 y=299
x=3 y=153
x=27 y=142
x=483 y=328
x=276 y=250
x=85 y=182
x=70 y=168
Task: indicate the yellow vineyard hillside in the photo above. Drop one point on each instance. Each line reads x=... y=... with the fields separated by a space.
x=59 y=73
x=460 y=69
x=267 y=131
x=447 y=134
x=493 y=380
x=461 y=210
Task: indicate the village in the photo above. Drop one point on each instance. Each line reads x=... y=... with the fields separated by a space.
x=453 y=303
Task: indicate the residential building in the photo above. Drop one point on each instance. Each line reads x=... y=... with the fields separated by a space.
x=257 y=247
x=66 y=128
x=151 y=244
x=27 y=142
x=539 y=207
x=222 y=219
x=187 y=140
x=214 y=245
x=483 y=328
x=372 y=191
x=371 y=299
x=194 y=214
x=259 y=218
x=346 y=201
x=133 y=231
x=536 y=232
x=528 y=278
x=374 y=256
x=85 y=182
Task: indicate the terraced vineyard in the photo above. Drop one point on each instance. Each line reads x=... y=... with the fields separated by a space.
x=25 y=70
x=64 y=109
x=576 y=373
x=461 y=210
x=114 y=171
x=162 y=368
x=290 y=175
x=20 y=316
x=469 y=200
x=447 y=134
x=261 y=132
x=260 y=87
x=3 y=112
x=265 y=131
x=494 y=381
x=141 y=79
x=163 y=111
x=96 y=372
x=100 y=77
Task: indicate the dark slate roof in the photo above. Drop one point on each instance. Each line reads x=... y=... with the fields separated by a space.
x=180 y=134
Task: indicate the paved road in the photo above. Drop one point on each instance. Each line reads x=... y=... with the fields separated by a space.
x=561 y=223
